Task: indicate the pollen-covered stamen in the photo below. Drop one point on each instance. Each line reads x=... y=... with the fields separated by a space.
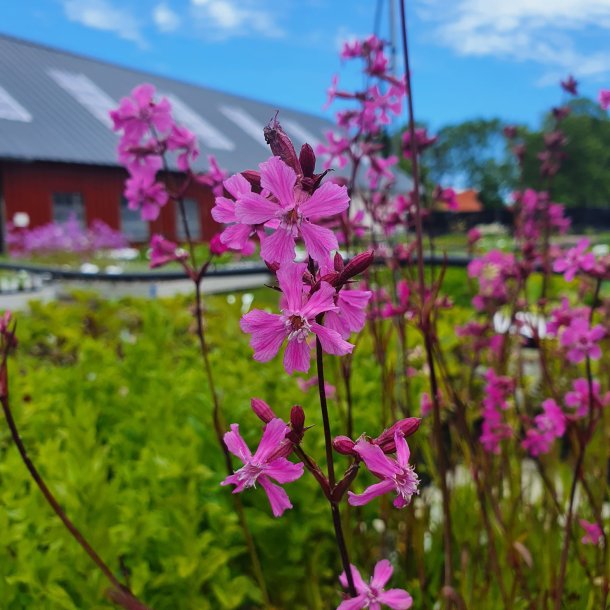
x=297 y=327
x=249 y=474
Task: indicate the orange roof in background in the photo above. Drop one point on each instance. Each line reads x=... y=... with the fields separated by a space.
x=468 y=201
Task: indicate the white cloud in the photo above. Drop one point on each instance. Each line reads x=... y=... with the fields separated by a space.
x=165 y=18
x=540 y=31
x=222 y=19
x=102 y=15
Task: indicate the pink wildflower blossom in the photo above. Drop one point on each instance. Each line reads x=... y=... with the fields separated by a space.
x=493 y=271
x=582 y=341
x=562 y=316
x=397 y=475
x=143 y=193
x=575 y=260
x=216 y=246
x=295 y=324
x=604 y=99
x=593 y=532
x=292 y=211
x=350 y=315
x=373 y=594
x=578 y=398
x=269 y=462
x=306 y=384
x=163 y=251
x=495 y=429
x=549 y=425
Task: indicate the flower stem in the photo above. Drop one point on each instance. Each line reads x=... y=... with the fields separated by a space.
x=334 y=506
x=120 y=594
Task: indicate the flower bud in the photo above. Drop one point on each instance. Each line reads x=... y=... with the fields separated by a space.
x=297 y=423
x=344 y=445
x=281 y=145
x=307 y=160
x=359 y=264
x=385 y=441
x=262 y=410
x=338 y=262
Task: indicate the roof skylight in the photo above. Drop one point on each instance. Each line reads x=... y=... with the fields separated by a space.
x=86 y=93
x=11 y=109
x=209 y=135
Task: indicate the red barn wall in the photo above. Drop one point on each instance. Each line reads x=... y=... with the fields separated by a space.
x=29 y=187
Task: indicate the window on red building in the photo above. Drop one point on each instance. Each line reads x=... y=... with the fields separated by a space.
x=68 y=205
x=132 y=226
x=193 y=216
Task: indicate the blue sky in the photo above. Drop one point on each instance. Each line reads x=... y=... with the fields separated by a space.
x=470 y=58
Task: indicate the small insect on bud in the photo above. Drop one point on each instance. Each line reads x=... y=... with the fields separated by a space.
x=262 y=410
x=281 y=145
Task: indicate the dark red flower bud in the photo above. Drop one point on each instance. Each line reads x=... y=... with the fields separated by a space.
x=307 y=160
x=262 y=410
x=359 y=264
x=254 y=178
x=297 y=422
x=570 y=85
x=385 y=441
x=344 y=445
x=281 y=145
x=561 y=112
x=338 y=262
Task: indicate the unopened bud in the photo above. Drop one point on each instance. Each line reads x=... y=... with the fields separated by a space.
x=297 y=423
x=338 y=262
x=262 y=410
x=344 y=445
x=307 y=159
x=254 y=178
x=281 y=145
x=359 y=264
x=385 y=441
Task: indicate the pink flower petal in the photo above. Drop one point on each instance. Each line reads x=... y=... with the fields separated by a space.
x=236 y=236
x=280 y=179
x=236 y=444
x=370 y=493
x=278 y=498
x=330 y=199
x=274 y=434
x=224 y=211
x=382 y=574
x=360 y=585
x=278 y=247
x=297 y=356
x=283 y=470
x=397 y=599
x=290 y=279
x=402 y=450
x=320 y=301
x=375 y=459
x=268 y=333
x=252 y=209
x=355 y=603
x=237 y=185
x=319 y=241
x=331 y=340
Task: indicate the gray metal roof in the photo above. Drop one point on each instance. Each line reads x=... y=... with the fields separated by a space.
x=54 y=107
x=41 y=120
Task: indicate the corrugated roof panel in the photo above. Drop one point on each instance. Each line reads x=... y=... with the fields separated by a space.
x=245 y=121
x=11 y=109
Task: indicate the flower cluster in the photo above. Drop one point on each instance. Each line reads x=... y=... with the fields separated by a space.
x=495 y=428
x=549 y=425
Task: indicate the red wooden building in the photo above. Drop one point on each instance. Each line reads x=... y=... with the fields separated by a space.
x=58 y=150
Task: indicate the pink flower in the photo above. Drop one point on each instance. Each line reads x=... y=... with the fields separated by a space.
x=397 y=475
x=570 y=85
x=549 y=425
x=575 y=260
x=137 y=114
x=593 y=532
x=425 y=404
x=295 y=324
x=562 y=316
x=578 y=397
x=143 y=193
x=216 y=246
x=350 y=315
x=214 y=177
x=163 y=251
x=474 y=235
x=373 y=595
x=337 y=149
x=236 y=236
x=581 y=340
x=494 y=428
x=185 y=141
x=493 y=271
x=269 y=462
x=604 y=99
x=422 y=141
x=292 y=211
